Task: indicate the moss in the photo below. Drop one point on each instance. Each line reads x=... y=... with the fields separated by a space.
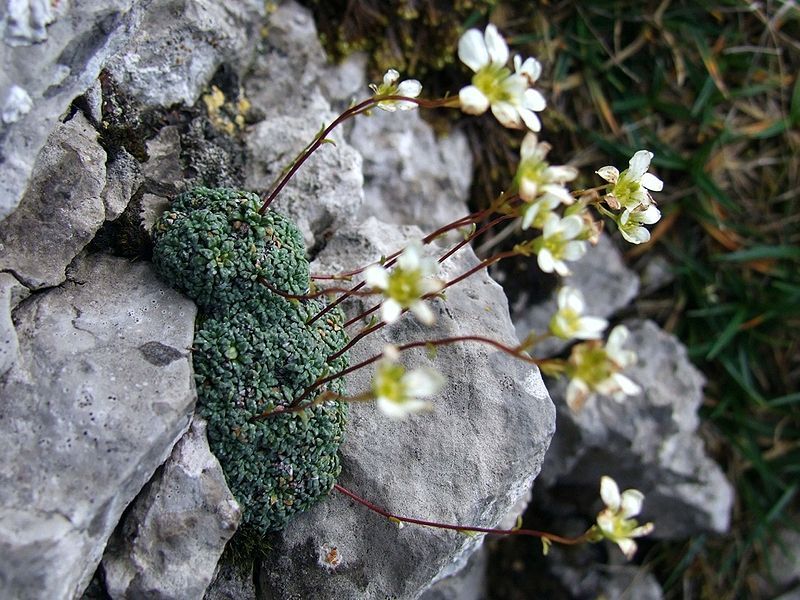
x=254 y=350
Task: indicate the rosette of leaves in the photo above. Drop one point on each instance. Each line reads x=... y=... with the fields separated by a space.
x=255 y=350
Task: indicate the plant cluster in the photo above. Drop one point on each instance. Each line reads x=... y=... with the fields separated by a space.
x=255 y=349
x=270 y=355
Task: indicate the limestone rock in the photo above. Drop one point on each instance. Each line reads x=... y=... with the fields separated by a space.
x=123 y=177
x=101 y=392
x=177 y=45
x=410 y=177
x=62 y=209
x=11 y=293
x=171 y=539
x=468 y=461
x=325 y=193
x=648 y=441
x=232 y=582
x=285 y=76
x=52 y=53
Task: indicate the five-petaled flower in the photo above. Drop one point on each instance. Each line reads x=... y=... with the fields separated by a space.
x=409 y=88
x=614 y=522
x=631 y=188
x=630 y=223
x=569 y=323
x=513 y=102
x=540 y=184
x=558 y=243
x=593 y=367
x=398 y=392
x=406 y=285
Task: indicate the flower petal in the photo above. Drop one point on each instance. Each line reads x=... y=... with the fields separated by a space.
x=530 y=119
x=639 y=164
x=628 y=547
x=651 y=182
x=591 y=328
x=545 y=260
x=571 y=226
x=559 y=193
x=577 y=393
x=631 y=502
x=534 y=100
x=609 y=173
x=609 y=492
x=375 y=276
x=626 y=385
x=473 y=101
x=472 y=50
x=410 y=88
x=507 y=114
x=423 y=382
x=560 y=173
x=390 y=310
x=423 y=312
x=496 y=45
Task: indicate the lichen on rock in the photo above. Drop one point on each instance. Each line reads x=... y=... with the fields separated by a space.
x=255 y=349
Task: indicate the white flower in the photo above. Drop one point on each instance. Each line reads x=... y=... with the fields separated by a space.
x=568 y=323
x=630 y=188
x=630 y=223
x=593 y=367
x=558 y=243
x=539 y=183
x=410 y=88
x=398 y=391
x=508 y=94
x=406 y=285
x=615 y=522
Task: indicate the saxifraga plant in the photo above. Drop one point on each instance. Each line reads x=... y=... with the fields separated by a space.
x=270 y=355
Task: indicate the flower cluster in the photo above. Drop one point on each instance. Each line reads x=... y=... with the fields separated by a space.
x=410 y=88
x=407 y=285
x=594 y=367
x=569 y=323
x=615 y=523
x=398 y=392
x=540 y=184
x=510 y=96
x=630 y=191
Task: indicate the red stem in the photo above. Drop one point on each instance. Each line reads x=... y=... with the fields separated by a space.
x=460 y=528
x=320 y=139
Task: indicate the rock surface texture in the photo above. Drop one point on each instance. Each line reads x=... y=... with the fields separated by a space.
x=648 y=441
x=169 y=542
x=109 y=108
x=101 y=391
x=468 y=461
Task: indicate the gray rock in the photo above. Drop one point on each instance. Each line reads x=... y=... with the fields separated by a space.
x=12 y=292
x=163 y=166
x=123 y=177
x=409 y=177
x=171 y=539
x=53 y=52
x=467 y=584
x=232 y=582
x=102 y=390
x=286 y=74
x=62 y=209
x=616 y=582
x=601 y=275
x=325 y=193
x=177 y=45
x=649 y=441
x=468 y=461
x=25 y=21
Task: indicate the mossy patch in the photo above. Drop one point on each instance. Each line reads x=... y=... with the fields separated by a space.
x=255 y=350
